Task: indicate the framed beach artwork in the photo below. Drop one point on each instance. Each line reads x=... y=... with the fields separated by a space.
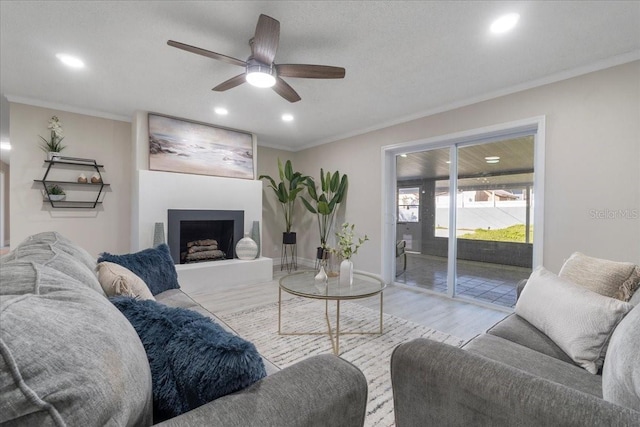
x=178 y=145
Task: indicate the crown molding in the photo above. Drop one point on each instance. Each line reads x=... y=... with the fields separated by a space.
x=67 y=108
x=554 y=78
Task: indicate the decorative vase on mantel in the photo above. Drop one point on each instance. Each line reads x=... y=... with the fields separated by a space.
x=255 y=235
x=346 y=272
x=246 y=248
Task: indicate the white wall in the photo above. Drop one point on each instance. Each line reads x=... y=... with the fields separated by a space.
x=106 y=228
x=592 y=157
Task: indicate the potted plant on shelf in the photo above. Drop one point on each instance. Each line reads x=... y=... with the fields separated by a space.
x=53 y=146
x=346 y=248
x=325 y=204
x=55 y=193
x=287 y=190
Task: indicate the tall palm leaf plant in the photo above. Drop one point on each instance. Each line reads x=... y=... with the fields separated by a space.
x=287 y=190
x=325 y=204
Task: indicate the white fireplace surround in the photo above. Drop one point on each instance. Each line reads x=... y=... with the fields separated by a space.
x=155 y=192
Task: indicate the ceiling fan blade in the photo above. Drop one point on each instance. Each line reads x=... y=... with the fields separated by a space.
x=310 y=71
x=266 y=39
x=208 y=53
x=231 y=83
x=284 y=90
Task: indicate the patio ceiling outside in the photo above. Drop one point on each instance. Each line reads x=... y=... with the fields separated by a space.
x=516 y=163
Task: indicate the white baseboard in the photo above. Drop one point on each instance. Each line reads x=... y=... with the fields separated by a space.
x=302 y=262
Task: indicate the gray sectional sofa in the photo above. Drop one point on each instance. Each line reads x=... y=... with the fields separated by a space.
x=68 y=357
x=515 y=375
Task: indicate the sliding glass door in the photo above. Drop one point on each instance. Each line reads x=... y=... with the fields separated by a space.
x=465 y=216
x=494 y=245
x=423 y=227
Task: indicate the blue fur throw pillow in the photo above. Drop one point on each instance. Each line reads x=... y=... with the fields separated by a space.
x=154 y=266
x=193 y=360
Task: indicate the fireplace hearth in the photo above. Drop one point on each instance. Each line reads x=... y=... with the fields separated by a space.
x=203 y=235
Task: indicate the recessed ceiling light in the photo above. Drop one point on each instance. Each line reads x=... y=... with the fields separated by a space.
x=221 y=111
x=492 y=159
x=403 y=155
x=5 y=146
x=287 y=118
x=70 y=61
x=504 y=23
x=448 y=162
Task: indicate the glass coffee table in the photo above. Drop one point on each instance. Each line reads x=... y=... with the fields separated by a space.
x=303 y=284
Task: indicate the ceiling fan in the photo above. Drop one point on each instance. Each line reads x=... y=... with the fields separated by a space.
x=260 y=70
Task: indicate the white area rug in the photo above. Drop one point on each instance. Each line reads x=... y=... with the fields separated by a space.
x=370 y=353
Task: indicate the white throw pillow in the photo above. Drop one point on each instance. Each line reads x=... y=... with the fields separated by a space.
x=578 y=320
x=118 y=280
x=609 y=278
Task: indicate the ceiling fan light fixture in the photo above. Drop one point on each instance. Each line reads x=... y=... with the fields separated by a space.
x=260 y=75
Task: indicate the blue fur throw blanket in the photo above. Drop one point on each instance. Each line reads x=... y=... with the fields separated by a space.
x=193 y=360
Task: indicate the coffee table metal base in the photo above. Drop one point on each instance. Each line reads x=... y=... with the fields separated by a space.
x=335 y=342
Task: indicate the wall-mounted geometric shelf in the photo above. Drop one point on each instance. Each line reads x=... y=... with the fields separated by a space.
x=73 y=163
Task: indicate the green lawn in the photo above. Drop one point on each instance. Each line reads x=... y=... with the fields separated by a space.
x=515 y=233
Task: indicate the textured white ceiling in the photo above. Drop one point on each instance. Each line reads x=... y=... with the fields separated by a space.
x=403 y=59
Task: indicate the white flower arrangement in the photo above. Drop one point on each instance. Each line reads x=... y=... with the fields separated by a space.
x=346 y=247
x=57 y=135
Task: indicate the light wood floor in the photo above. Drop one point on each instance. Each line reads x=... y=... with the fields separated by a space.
x=457 y=318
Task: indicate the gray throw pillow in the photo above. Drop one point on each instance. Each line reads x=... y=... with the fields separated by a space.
x=56 y=239
x=52 y=256
x=621 y=371
x=578 y=320
x=69 y=357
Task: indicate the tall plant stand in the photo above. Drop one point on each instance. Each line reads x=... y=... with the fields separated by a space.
x=289 y=258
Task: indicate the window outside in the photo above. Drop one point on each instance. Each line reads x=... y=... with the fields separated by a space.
x=409 y=204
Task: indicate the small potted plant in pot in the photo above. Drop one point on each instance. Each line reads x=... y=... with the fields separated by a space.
x=55 y=193
x=53 y=146
x=287 y=190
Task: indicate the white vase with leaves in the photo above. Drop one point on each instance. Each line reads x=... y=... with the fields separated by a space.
x=346 y=272
x=53 y=146
x=346 y=248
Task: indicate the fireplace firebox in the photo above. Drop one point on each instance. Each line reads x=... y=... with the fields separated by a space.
x=203 y=235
